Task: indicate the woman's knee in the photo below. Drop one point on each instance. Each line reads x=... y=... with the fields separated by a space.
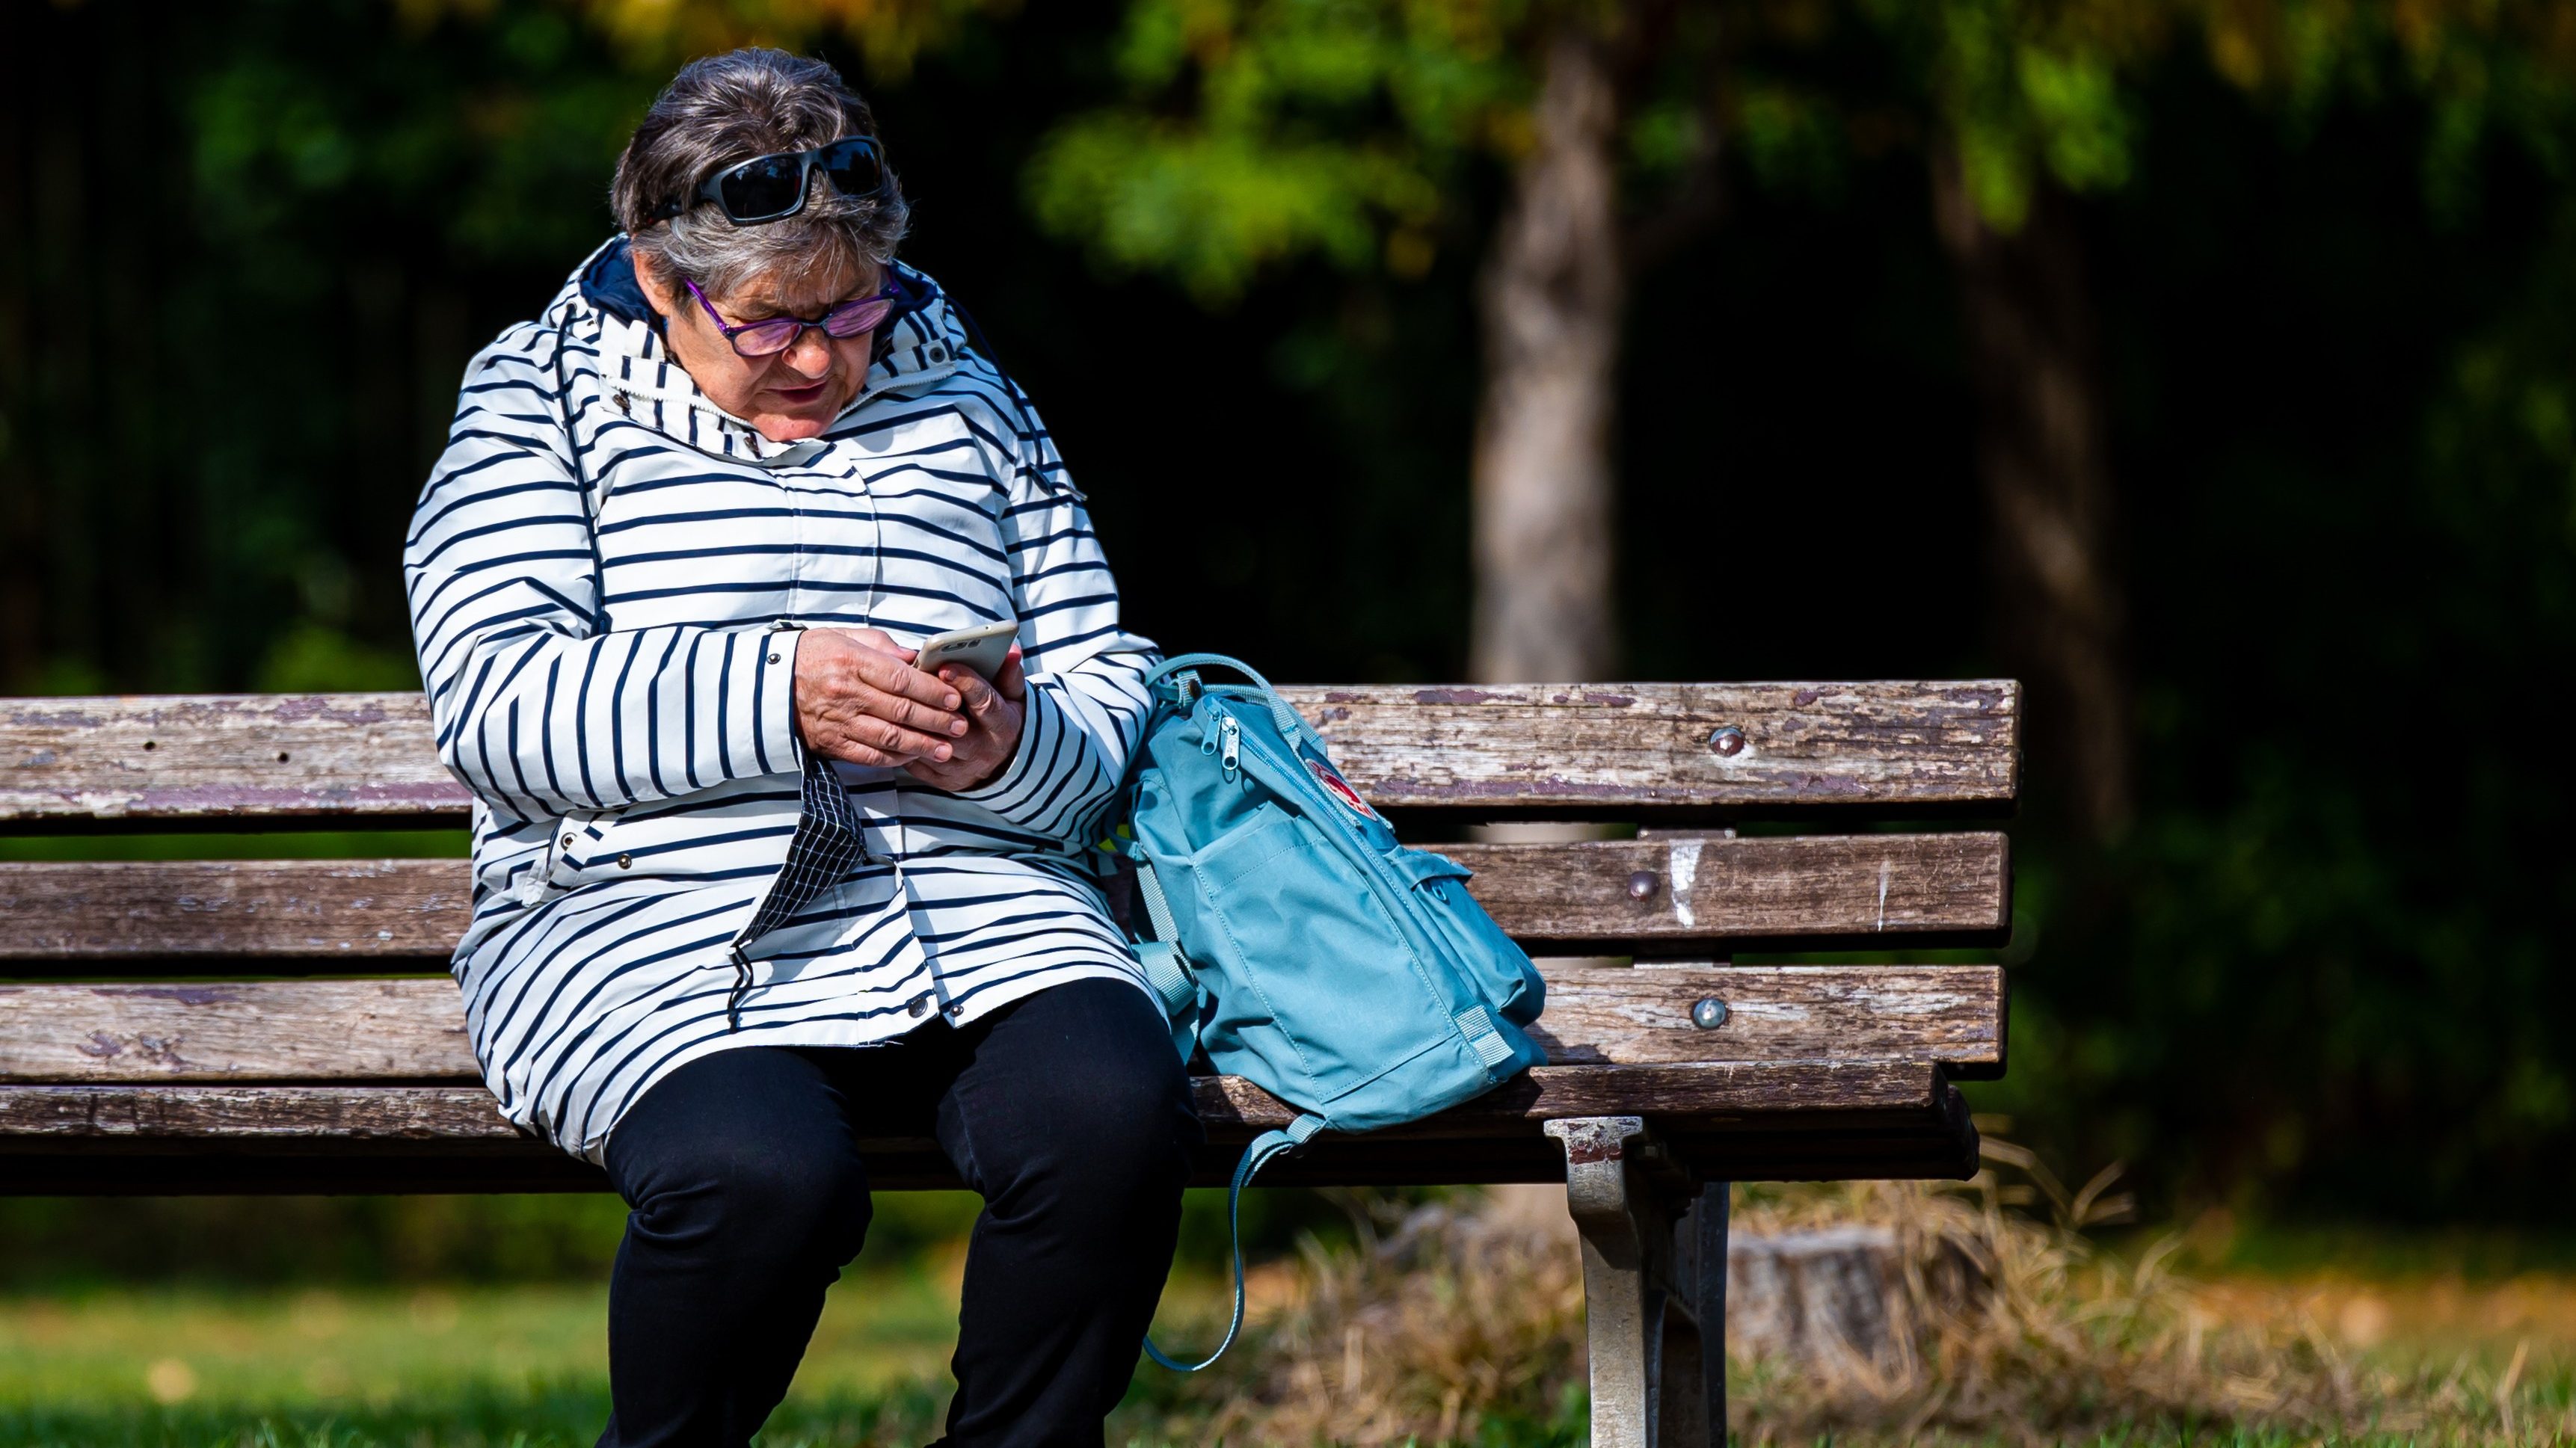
x=1120 y=1130
x=752 y=1148
x=760 y=1197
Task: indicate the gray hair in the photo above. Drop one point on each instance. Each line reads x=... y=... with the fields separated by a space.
x=729 y=108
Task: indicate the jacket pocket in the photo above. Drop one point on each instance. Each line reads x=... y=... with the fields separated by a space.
x=582 y=851
x=1500 y=970
x=1299 y=941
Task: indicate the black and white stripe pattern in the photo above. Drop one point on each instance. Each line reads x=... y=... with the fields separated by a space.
x=608 y=579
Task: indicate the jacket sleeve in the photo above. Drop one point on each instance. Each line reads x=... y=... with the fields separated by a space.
x=1086 y=703
x=540 y=709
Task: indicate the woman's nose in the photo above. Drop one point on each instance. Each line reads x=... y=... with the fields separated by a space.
x=810 y=355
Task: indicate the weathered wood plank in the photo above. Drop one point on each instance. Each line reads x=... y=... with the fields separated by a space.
x=1796 y=1097
x=257 y=759
x=262 y=761
x=1768 y=1124
x=1599 y=896
x=1775 y=1123
x=1580 y=750
x=414 y=1029
x=1674 y=890
x=78 y=915
x=1922 y=1154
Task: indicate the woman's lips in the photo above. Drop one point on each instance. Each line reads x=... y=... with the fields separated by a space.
x=799 y=396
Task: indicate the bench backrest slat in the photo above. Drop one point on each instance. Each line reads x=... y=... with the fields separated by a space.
x=266 y=761
x=1658 y=895
x=414 y=1029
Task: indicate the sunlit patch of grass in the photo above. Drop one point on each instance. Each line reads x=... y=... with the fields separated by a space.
x=464 y=1364
x=1452 y=1323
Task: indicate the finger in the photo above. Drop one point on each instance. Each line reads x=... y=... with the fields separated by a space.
x=896 y=709
x=875 y=638
x=981 y=699
x=897 y=676
x=855 y=752
x=1011 y=680
x=896 y=739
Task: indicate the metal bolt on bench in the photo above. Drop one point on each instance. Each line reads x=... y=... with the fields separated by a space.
x=188 y=1026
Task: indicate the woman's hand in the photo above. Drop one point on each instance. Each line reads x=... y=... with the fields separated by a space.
x=993 y=714
x=858 y=698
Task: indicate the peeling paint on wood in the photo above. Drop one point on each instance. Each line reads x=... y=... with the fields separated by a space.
x=414 y=1030
x=1798 y=1098
x=1814 y=889
x=1899 y=1122
x=214 y=759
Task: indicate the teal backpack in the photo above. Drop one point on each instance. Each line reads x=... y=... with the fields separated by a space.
x=1295 y=940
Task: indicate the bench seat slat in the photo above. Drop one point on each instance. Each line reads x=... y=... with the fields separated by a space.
x=1731 y=1122
x=414 y=1029
x=1594 y=751
x=1697 y=888
x=1920 y=1154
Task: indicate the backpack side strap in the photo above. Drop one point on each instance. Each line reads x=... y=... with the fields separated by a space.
x=1266 y=1146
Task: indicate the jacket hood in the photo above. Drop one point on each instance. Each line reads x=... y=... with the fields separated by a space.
x=921 y=343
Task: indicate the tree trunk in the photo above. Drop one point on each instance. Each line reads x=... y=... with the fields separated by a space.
x=1551 y=301
x=2042 y=459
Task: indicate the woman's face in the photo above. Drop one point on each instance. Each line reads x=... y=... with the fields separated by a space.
x=789 y=395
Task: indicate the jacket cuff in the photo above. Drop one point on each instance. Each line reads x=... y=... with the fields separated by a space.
x=766 y=679
x=1033 y=786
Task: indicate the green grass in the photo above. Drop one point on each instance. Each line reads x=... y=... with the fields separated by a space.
x=469 y=1366
x=523 y=1366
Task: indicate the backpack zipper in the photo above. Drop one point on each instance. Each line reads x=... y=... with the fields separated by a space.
x=1231 y=735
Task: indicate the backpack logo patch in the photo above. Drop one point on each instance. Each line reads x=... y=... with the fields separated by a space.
x=1340 y=789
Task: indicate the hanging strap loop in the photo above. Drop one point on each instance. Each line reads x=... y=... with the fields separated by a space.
x=1264 y=1148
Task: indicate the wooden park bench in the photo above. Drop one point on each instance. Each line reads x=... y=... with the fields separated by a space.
x=191 y=1026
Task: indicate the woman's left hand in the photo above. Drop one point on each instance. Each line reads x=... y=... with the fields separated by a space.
x=993 y=713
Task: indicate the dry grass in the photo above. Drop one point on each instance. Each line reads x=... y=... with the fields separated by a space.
x=1441 y=1316
x=1452 y=1322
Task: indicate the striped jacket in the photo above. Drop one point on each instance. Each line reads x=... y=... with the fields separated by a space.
x=607 y=579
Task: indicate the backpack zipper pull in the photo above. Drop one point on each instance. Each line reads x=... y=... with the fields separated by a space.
x=1231 y=734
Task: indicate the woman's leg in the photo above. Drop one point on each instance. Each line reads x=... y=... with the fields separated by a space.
x=1071 y=1115
x=747 y=1199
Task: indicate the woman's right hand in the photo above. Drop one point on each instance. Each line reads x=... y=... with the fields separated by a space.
x=858 y=698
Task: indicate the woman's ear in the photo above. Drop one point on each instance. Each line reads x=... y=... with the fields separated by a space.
x=650 y=277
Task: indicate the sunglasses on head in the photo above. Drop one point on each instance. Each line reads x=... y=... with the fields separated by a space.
x=772 y=188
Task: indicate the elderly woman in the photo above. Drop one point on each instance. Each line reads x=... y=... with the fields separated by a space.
x=750 y=888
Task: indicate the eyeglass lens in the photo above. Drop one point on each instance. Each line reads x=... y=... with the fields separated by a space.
x=849 y=319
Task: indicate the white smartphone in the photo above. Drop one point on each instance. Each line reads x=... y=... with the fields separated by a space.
x=981 y=648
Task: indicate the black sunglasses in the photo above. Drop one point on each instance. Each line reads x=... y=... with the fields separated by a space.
x=772 y=188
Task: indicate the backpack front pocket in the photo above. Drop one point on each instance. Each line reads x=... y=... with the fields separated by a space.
x=1500 y=969
x=1274 y=894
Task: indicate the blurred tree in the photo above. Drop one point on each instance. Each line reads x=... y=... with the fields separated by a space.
x=1253 y=132
x=2031 y=104
x=890 y=36
x=1256 y=130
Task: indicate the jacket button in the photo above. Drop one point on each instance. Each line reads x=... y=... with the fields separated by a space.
x=773 y=658
x=626 y=862
x=920 y=1006
x=567 y=842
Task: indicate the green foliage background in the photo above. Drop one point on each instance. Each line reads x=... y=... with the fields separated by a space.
x=246 y=246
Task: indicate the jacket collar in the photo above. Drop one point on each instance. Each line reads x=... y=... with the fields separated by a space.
x=920 y=344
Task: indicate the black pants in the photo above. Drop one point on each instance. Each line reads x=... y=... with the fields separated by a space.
x=1068 y=1111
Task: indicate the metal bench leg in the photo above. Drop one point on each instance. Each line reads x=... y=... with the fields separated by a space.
x=1654 y=1292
